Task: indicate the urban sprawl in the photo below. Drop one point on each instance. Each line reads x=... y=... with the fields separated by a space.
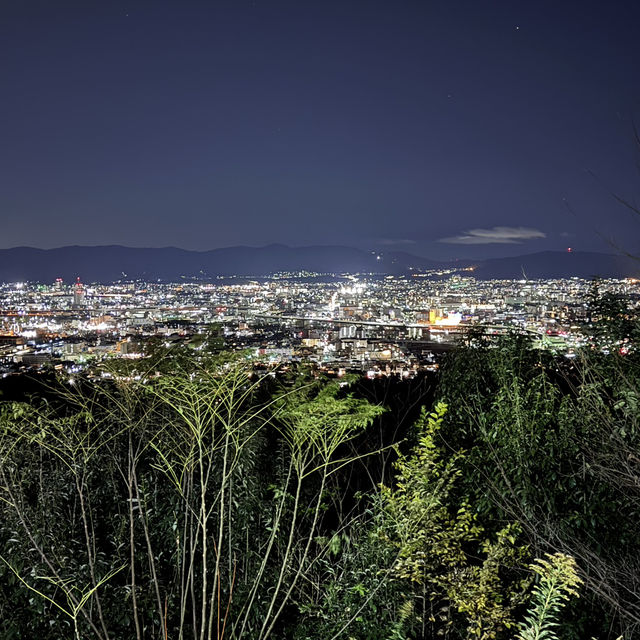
x=378 y=325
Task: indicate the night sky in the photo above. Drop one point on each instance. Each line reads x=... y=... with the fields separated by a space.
x=446 y=129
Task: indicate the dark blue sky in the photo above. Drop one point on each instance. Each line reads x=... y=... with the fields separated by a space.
x=443 y=128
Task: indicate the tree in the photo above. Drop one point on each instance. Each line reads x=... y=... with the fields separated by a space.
x=164 y=505
x=460 y=575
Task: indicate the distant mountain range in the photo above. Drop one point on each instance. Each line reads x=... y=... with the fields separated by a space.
x=559 y=264
x=111 y=263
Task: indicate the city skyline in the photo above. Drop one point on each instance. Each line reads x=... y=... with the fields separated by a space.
x=464 y=131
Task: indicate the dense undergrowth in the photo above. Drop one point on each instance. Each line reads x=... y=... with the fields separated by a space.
x=185 y=496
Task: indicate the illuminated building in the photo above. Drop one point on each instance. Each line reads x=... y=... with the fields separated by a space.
x=78 y=294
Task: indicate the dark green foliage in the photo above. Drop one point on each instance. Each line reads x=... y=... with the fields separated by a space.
x=182 y=505
x=417 y=564
x=459 y=576
x=350 y=591
x=552 y=444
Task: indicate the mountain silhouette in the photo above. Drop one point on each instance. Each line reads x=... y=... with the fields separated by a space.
x=113 y=262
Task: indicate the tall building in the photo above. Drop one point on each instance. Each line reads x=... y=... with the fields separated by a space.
x=78 y=294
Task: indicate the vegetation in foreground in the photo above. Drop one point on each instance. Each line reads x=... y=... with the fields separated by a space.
x=183 y=496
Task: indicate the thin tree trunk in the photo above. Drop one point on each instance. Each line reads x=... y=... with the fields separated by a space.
x=132 y=556
x=302 y=560
x=90 y=542
x=152 y=564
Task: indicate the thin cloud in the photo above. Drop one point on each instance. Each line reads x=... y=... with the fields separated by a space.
x=496 y=235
